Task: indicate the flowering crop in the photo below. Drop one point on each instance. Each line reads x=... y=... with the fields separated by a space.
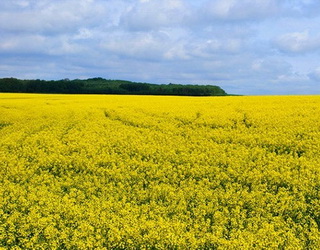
x=128 y=172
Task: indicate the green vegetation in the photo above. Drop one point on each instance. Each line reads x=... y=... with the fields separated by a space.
x=102 y=86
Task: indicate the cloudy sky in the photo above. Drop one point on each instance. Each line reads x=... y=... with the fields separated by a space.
x=245 y=46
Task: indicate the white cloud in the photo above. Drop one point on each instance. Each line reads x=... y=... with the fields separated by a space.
x=155 y=14
x=53 y=16
x=234 y=10
x=270 y=65
x=29 y=44
x=34 y=44
x=149 y=46
x=215 y=47
x=315 y=75
x=298 y=42
x=300 y=8
x=83 y=33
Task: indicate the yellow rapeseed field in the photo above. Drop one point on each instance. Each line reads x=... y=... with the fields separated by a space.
x=154 y=172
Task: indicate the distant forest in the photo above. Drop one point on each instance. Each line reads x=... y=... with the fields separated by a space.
x=103 y=86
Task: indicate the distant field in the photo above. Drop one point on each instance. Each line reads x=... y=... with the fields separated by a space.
x=128 y=172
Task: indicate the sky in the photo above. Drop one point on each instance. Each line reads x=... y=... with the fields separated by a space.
x=249 y=47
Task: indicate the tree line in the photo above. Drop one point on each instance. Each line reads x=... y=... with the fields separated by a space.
x=100 y=85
